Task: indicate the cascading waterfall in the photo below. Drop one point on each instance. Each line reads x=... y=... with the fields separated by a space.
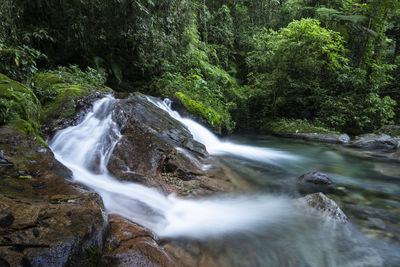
x=217 y=147
x=86 y=148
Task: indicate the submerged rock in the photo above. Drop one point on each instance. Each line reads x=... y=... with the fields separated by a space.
x=315 y=178
x=325 y=205
x=376 y=141
x=313 y=182
x=319 y=137
x=37 y=228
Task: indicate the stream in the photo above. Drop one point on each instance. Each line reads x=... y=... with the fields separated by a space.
x=266 y=228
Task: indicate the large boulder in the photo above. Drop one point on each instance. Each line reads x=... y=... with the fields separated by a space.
x=158 y=151
x=376 y=141
x=45 y=219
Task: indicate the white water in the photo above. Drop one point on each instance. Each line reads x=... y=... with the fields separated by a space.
x=86 y=148
x=217 y=147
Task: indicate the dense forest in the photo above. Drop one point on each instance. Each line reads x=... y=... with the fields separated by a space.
x=241 y=65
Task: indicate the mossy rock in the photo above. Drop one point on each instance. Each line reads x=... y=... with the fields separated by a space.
x=18 y=103
x=59 y=97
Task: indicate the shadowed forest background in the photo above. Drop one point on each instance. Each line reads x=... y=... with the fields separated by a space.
x=261 y=65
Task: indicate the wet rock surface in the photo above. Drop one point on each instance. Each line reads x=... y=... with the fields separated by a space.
x=313 y=182
x=375 y=141
x=45 y=219
x=158 y=151
x=318 y=137
x=129 y=244
x=315 y=178
x=80 y=106
x=325 y=205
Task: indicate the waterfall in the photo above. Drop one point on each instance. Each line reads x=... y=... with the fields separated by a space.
x=86 y=148
x=217 y=147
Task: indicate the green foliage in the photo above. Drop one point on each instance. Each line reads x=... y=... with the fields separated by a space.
x=19 y=63
x=59 y=89
x=18 y=102
x=294 y=68
x=74 y=75
x=204 y=88
x=8 y=110
x=284 y=125
x=357 y=114
x=197 y=108
x=236 y=60
x=198 y=98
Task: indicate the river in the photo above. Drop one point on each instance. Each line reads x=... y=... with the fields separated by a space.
x=266 y=227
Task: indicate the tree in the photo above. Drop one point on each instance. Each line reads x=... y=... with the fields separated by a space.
x=293 y=69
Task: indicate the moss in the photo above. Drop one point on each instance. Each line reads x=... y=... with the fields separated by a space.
x=22 y=126
x=197 y=108
x=213 y=101
x=18 y=102
x=294 y=126
x=93 y=255
x=58 y=96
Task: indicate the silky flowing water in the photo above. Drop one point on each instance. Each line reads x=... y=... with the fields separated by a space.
x=263 y=228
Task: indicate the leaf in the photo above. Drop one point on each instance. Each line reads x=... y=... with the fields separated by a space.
x=117 y=71
x=16 y=62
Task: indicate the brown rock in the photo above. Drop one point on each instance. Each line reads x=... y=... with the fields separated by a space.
x=54 y=219
x=129 y=244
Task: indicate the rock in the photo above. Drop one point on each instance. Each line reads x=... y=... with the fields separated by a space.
x=327 y=206
x=36 y=229
x=4 y=161
x=22 y=173
x=396 y=154
x=318 y=137
x=375 y=141
x=129 y=244
x=344 y=138
x=78 y=109
x=313 y=182
x=316 y=178
x=158 y=151
x=6 y=220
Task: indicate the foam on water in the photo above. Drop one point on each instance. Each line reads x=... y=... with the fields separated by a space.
x=217 y=147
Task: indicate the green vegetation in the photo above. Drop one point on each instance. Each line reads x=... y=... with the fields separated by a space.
x=59 y=89
x=18 y=103
x=52 y=96
x=239 y=65
x=93 y=255
x=294 y=126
